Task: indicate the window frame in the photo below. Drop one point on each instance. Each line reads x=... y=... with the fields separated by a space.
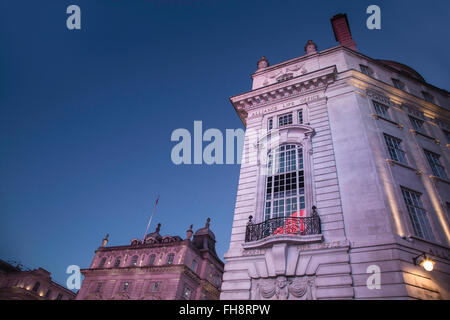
x=418 y=215
x=285 y=123
x=395 y=151
x=435 y=164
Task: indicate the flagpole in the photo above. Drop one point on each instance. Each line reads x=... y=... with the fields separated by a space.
x=151 y=217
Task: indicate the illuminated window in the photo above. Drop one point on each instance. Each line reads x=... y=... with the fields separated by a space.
x=36 y=286
x=394 y=147
x=170 y=258
x=102 y=263
x=285 y=120
x=285 y=185
x=417 y=214
x=381 y=109
x=417 y=124
x=435 y=164
x=134 y=260
x=117 y=262
x=151 y=260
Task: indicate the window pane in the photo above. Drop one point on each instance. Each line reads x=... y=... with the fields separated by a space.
x=417 y=214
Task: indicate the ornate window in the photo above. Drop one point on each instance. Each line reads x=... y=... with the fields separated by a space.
x=125 y=286
x=117 y=262
x=134 y=260
x=49 y=292
x=36 y=286
x=285 y=183
x=102 y=263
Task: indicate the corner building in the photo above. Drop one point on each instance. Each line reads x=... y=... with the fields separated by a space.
x=356 y=183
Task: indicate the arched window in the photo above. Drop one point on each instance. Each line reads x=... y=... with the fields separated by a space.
x=102 y=263
x=170 y=258
x=134 y=260
x=36 y=286
x=117 y=262
x=151 y=260
x=285 y=183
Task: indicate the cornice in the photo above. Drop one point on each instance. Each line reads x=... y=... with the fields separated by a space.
x=300 y=85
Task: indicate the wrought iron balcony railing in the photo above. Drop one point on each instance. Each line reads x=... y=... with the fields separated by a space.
x=283 y=226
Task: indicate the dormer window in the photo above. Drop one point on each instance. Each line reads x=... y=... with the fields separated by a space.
x=366 y=70
x=170 y=258
x=398 y=84
x=151 y=260
x=285 y=77
x=428 y=97
x=134 y=260
x=102 y=263
x=117 y=262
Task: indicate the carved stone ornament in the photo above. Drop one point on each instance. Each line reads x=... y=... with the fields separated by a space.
x=283 y=288
x=262 y=63
x=310 y=47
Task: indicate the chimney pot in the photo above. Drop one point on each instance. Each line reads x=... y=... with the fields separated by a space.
x=342 y=32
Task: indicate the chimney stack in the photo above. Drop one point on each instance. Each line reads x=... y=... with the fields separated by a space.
x=342 y=32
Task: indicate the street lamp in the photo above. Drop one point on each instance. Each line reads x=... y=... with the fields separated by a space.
x=425 y=262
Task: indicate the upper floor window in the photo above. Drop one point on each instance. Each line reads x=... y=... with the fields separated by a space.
x=366 y=70
x=99 y=287
x=59 y=297
x=285 y=119
x=300 y=116
x=36 y=286
x=125 y=286
x=285 y=77
x=285 y=185
x=49 y=292
x=217 y=280
x=417 y=214
x=170 y=258
x=435 y=164
x=447 y=135
x=134 y=260
x=417 y=124
x=381 y=109
x=194 y=266
x=394 y=147
x=117 y=262
x=156 y=286
x=398 y=84
x=270 y=124
x=187 y=293
x=102 y=263
x=151 y=260
x=428 y=97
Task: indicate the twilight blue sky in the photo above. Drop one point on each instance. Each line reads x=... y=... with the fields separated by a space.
x=86 y=116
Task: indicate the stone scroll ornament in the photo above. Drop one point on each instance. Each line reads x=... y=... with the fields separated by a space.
x=283 y=288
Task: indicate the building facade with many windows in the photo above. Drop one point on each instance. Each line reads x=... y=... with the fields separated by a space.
x=156 y=268
x=345 y=175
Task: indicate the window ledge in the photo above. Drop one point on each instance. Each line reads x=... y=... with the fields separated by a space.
x=416 y=238
x=394 y=162
x=436 y=178
x=284 y=238
x=415 y=132
x=377 y=117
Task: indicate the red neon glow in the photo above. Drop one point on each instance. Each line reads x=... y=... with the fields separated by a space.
x=293 y=226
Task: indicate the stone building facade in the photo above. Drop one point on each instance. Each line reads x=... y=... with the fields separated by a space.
x=344 y=175
x=156 y=268
x=18 y=284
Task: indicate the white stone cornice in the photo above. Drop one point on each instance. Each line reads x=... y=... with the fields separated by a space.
x=290 y=88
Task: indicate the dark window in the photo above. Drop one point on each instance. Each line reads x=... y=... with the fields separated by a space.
x=59 y=297
x=366 y=70
x=285 y=120
x=36 y=286
x=49 y=292
x=134 y=260
x=117 y=262
x=194 y=266
x=217 y=280
x=394 y=147
x=417 y=124
x=170 y=258
x=447 y=135
x=155 y=287
x=417 y=214
x=381 y=109
x=187 y=293
x=300 y=116
x=102 y=263
x=151 y=260
x=98 y=288
x=270 y=124
x=398 y=84
x=435 y=164
x=428 y=97
x=285 y=77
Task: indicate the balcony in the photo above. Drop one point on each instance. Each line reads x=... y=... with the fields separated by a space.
x=286 y=229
